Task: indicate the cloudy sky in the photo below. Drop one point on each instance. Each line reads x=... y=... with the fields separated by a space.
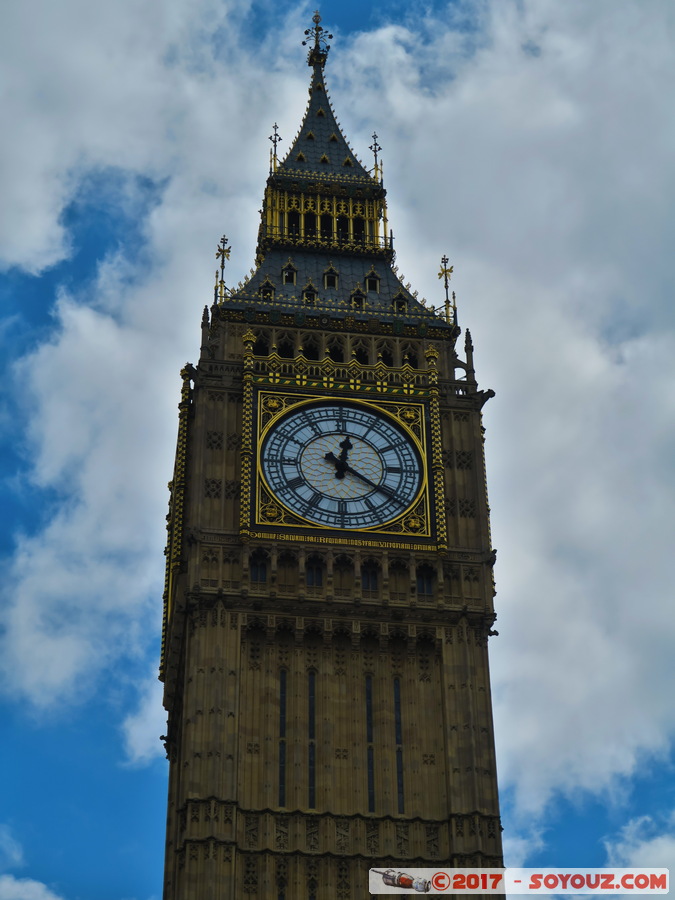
x=530 y=140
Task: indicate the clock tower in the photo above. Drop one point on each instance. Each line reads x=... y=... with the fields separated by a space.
x=329 y=590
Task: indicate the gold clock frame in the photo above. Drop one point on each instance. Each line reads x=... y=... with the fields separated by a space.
x=270 y=513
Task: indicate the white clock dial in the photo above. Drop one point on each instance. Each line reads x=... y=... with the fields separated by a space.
x=341 y=465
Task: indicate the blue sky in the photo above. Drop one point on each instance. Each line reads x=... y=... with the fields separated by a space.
x=530 y=140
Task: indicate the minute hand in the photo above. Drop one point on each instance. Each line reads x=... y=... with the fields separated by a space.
x=378 y=487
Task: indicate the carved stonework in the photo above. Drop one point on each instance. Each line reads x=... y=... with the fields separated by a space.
x=343 y=887
x=281 y=833
x=432 y=840
x=312 y=833
x=214 y=440
x=373 y=838
x=250 y=880
x=213 y=488
x=251 y=831
x=402 y=834
x=342 y=835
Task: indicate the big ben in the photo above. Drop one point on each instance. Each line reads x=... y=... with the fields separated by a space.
x=329 y=589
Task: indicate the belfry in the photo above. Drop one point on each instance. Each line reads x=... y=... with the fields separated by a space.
x=329 y=589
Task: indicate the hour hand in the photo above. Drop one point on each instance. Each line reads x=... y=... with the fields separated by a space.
x=340 y=464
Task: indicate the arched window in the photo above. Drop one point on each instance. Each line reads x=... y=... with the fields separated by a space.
x=386 y=353
x=310 y=347
x=336 y=350
x=286 y=348
x=261 y=346
x=360 y=353
x=358 y=229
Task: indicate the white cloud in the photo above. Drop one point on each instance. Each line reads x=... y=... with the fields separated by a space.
x=11 y=851
x=645 y=843
x=142 y=728
x=12 y=888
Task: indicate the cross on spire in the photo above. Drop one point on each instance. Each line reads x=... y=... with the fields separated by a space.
x=446 y=274
x=222 y=253
x=276 y=139
x=375 y=147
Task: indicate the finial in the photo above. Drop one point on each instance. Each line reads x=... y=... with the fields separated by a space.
x=446 y=273
x=222 y=253
x=318 y=53
x=375 y=147
x=275 y=140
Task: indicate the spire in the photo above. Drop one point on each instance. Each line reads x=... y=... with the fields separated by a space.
x=320 y=148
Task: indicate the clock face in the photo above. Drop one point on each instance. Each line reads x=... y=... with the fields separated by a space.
x=341 y=465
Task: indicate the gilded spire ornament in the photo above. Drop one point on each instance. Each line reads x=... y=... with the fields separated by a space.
x=375 y=147
x=446 y=274
x=222 y=253
x=318 y=53
x=276 y=139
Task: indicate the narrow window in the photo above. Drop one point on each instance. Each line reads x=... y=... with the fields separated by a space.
x=311 y=720
x=314 y=574
x=309 y=296
x=326 y=227
x=282 y=737
x=358 y=229
x=398 y=734
x=425 y=580
x=288 y=275
x=343 y=228
x=267 y=291
x=310 y=224
x=369 y=577
x=258 y=569
x=369 y=741
x=294 y=223
x=372 y=283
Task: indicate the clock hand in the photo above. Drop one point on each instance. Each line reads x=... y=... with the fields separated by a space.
x=340 y=461
x=378 y=487
x=339 y=464
x=346 y=447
